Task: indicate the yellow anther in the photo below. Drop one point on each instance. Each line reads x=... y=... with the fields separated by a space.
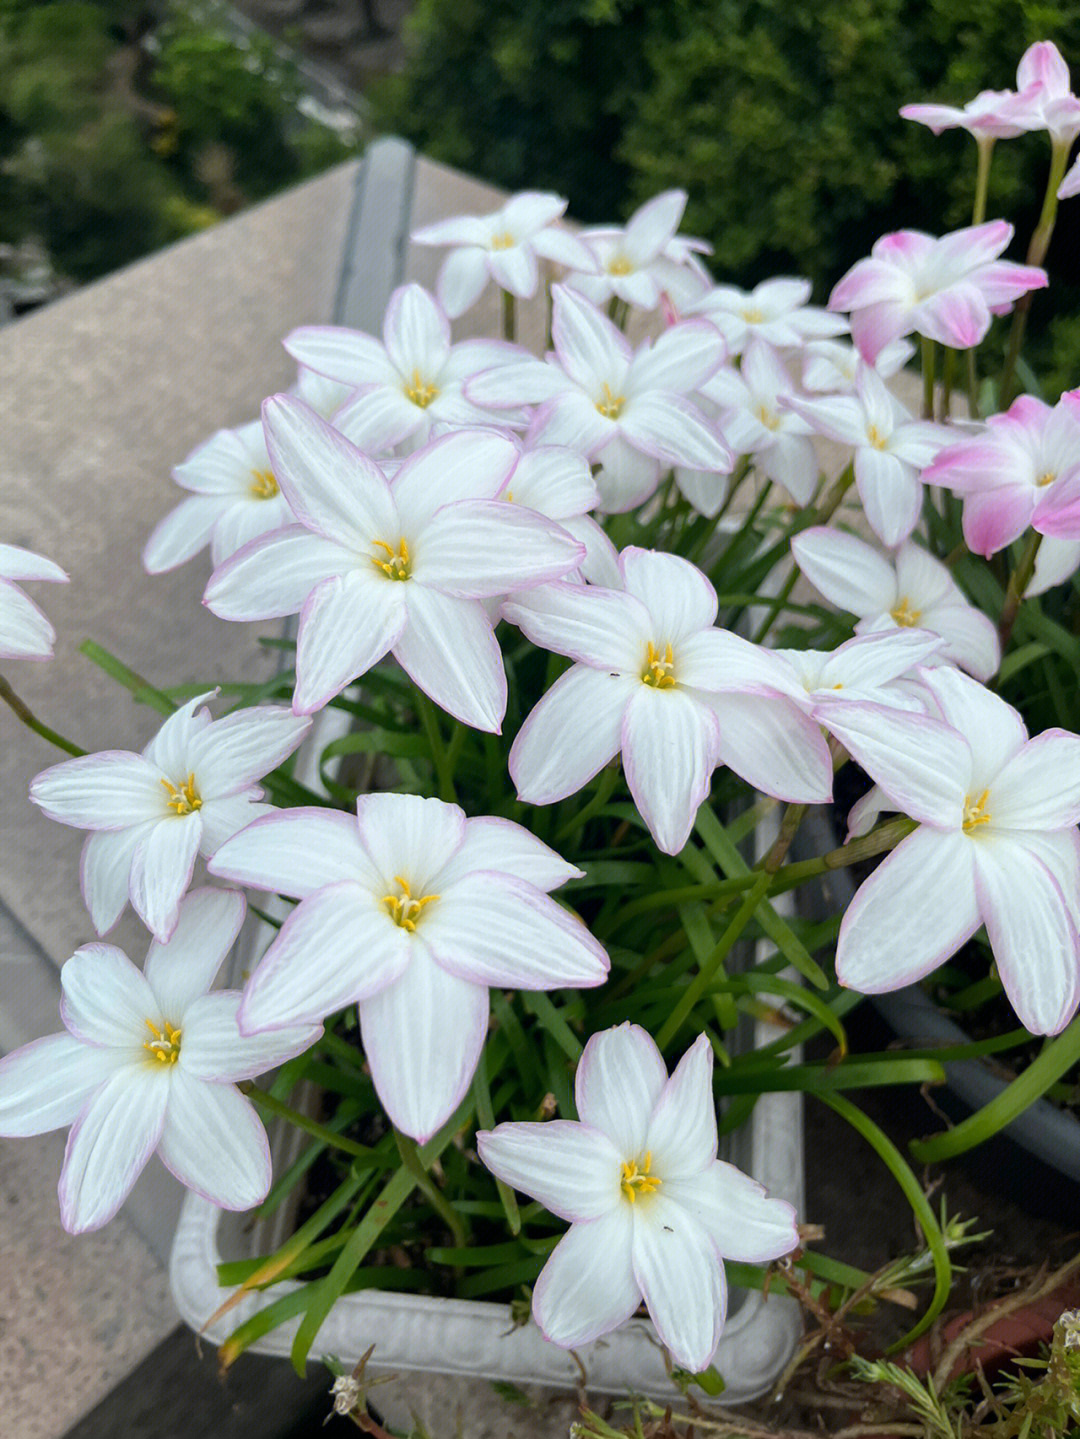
x=419 y=391
x=184 y=798
x=397 y=565
x=263 y=485
x=767 y=418
x=404 y=909
x=876 y=438
x=905 y=614
x=636 y=1178
x=1046 y=478
x=503 y=241
x=975 y=811
x=165 y=1047
x=611 y=404
x=620 y=266
x=657 y=671
x=754 y=316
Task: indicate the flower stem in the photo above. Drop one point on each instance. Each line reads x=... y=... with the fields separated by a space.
x=509 y=308
x=1018 y=583
x=12 y=700
x=789 y=824
x=410 y=1157
x=982 y=178
x=1040 y=243
x=927 y=378
x=310 y=1126
x=440 y=757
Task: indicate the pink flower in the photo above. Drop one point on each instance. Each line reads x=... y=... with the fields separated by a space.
x=1021 y=469
x=1046 y=101
x=987 y=117
x=946 y=289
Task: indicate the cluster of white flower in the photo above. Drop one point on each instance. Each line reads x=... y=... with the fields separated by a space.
x=409 y=497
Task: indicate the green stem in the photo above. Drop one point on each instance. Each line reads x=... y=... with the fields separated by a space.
x=509 y=316
x=1040 y=243
x=948 y=375
x=301 y=1121
x=12 y=700
x=821 y=515
x=1018 y=583
x=440 y=758
x=410 y=1157
x=793 y=817
x=982 y=177
x=609 y=778
x=927 y=378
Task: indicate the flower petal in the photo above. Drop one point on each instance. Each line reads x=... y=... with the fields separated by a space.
x=570 y=735
x=678 y=597
x=405 y=834
x=295 y=852
x=682 y=1278
x=273 y=575
x=499 y=844
x=107 y=790
x=590 y=349
x=886 y=940
x=19 y=564
x=670 y=747
x=994 y=731
x=109 y=1145
x=348 y=624
x=375 y=418
x=772 y=745
x=423 y=1036
x=214 y=1142
x=587 y=1287
x=449 y=649
x=467 y=465
x=461 y=281
x=734 y=1210
x=674 y=430
x=1031 y=933
x=682 y=1129
x=213 y=1049
x=232 y=752
x=681 y=359
x=890 y=493
x=183 y=969
x=106 y=999
x=1039 y=787
x=47 y=1083
x=607 y=629
x=338 y=946
x=346 y=355
x=480 y=548
x=572 y=1169
x=620 y=1078
x=105 y=872
x=416 y=333
x=161 y=869
x=183 y=532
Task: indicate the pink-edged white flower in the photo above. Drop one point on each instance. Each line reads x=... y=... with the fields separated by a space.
x=234 y=498
x=25 y=633
x=657 y=681
x=831 y=366
x=149 y=1060
x=988 y=117
x=399 y=566
x=1022 y=469
x=404 y=385
x=890 y=449
x=413 y=912
x=1045 y=100
x=644 y=260
x=946 y=289
x=152 y=813
x=860 y=671
x=503 y=247
x=653 y=1213
x=776 y=311
x=756 y=420
x=558 y=483
x=909 y=589
x=325 y=396
x=996 y=844
x=626 y=410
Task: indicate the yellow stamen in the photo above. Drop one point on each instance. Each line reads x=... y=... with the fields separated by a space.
x=263 y=485
x=754 y=316
x=398 y=566
x=404 y=909
x=419 y=391
x=636 y=1178
x=503 y=241
x=611 y=405
x=184 y=798
x=905 y=614
x=975 y=811
x=1046 y=478
x=165 y=1047
x=876 y=438
x=620 y=266
x=657 y=671
x=767 y=418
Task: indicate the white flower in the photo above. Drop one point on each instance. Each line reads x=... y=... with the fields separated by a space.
x=413 y=912
x=25 y=633
x=657 y=681
x=502 y=247
x=890 y=449
x=191 y=788
x=832 y=365
x=776 y=311
x=909 y=589
x=756 y=421
x=996 y=844
x=644 y=260
x=863 y=670
x=653 y=1213
x=406 y=384
x=398 y=566
x=149 y=1061
x=625 y=410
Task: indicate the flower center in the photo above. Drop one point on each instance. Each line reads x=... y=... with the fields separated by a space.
x=767 y=418
x=975 y=811
x=876 y=438
x=165 y=1045
x=611 y=404
x=503 y=241
x=398 y=564
x=419 y=391
x=753 y=316
x=404 y=909
x=905 y=613
x=620 y=266
x=636 y=1178
x=657 y=671
x=1046 y=478
x=183 y=798
x=263 y=485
